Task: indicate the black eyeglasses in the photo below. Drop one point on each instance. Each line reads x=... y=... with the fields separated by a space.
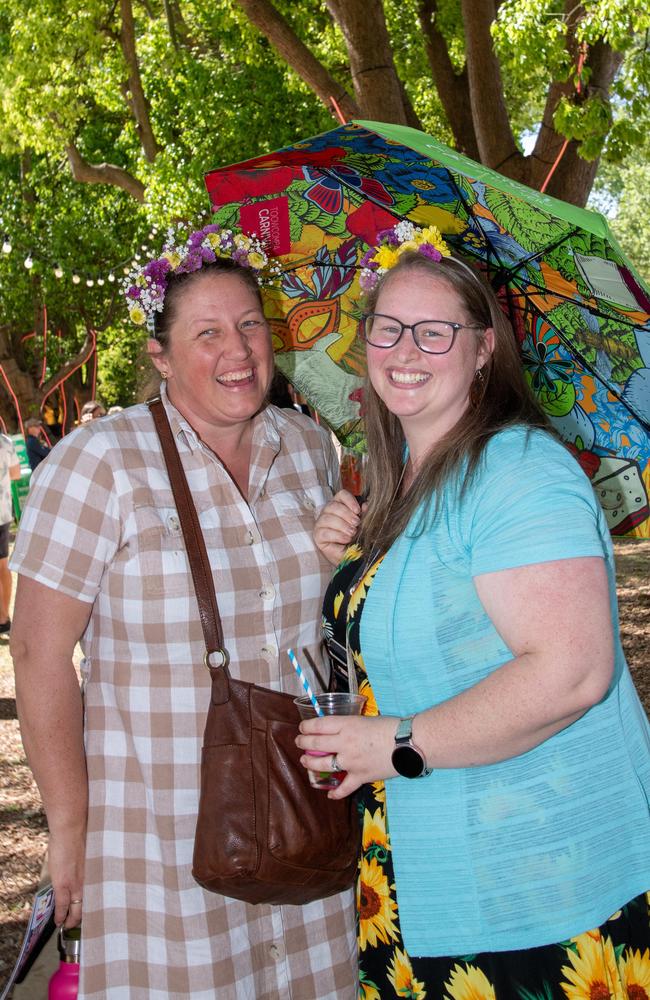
x=433 y=336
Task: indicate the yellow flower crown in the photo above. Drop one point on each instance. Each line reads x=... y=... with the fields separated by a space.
x=392 y=243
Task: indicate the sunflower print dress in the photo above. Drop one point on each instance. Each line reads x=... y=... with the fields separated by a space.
x=610 y=962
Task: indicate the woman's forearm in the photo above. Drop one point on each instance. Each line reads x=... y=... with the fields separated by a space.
x=48 y=700
x=513 y=710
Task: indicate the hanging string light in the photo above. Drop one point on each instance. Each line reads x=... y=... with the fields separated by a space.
x=35 y=259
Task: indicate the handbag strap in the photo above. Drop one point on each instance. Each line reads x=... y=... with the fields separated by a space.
x=194 y=542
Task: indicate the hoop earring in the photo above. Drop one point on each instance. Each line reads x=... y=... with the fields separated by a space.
x=477 y=388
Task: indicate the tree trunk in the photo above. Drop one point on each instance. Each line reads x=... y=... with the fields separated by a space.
x=452 y=87
x=496 y=143
x=377 y=87
x=284 y=40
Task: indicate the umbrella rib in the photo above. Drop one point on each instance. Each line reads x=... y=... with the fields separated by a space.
x=590 y=368
x=599 y=313
x=506 y=273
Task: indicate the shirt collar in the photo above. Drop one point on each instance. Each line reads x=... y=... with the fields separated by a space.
x=266 y=435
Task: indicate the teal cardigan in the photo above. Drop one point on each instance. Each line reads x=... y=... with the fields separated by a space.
x=542 y=846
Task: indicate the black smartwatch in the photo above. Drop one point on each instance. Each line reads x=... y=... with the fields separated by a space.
x=408 y=760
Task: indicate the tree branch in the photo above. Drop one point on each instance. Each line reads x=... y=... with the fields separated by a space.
x=103 y=173
x=452 y=87
x=494 y=136
x=284 y=40
x=377 y=87
x=138 y=102
x=82 y=355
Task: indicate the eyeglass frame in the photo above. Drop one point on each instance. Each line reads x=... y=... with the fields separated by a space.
x=455 y=327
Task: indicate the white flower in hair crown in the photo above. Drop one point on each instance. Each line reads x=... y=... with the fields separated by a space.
x=394 y=242
x=146 y=285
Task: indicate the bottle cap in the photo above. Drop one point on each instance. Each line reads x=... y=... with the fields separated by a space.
x=69 y=943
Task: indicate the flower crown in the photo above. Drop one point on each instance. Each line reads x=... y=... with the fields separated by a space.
x=145 y=286
x=394 y=242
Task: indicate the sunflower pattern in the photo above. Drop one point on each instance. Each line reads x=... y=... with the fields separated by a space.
x=610 y=962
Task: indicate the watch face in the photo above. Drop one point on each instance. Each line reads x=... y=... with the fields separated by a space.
x=408 y=762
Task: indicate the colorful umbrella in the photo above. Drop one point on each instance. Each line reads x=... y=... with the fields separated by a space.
x=581 y=315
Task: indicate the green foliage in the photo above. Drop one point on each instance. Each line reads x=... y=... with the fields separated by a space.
x=217 y=93
x=531 y=39
x=623 y=191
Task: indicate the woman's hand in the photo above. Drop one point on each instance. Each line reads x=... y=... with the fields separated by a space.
x=363 y=747
x=337 y=526
x=65 y=862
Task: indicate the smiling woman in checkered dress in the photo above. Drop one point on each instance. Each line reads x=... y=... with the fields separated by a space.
x=101 y=560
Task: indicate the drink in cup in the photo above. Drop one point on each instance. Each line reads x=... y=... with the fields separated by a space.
x=331 y=703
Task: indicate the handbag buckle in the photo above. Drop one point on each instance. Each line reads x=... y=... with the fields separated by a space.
x=223 y=653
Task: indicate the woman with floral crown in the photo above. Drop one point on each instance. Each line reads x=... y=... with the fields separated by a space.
x=101 y=560
x=505 y=780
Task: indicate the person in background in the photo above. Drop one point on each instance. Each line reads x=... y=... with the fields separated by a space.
x=100 y=559
x=37 y=450
x=505 y=778
x=9 y=470
x=92 y=410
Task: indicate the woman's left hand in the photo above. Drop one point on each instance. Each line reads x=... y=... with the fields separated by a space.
x=363 y=748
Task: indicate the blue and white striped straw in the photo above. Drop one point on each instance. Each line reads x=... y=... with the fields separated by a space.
x=305 y=682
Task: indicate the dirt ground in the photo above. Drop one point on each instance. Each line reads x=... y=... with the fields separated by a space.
x=22 y=822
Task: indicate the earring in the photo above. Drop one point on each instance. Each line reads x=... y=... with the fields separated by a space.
x=477 y=388
x=163 y=375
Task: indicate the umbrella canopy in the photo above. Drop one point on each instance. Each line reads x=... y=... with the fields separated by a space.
x=581 y=315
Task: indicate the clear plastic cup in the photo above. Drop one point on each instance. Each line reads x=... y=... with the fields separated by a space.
x=332 y=703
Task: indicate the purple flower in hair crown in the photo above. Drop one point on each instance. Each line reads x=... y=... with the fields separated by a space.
x=392 y=243
x=145 y=287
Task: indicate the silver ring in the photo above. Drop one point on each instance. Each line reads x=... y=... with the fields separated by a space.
x=335 y=766
x=76 y=901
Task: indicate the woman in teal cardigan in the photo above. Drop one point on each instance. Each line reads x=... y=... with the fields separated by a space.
x=503 y=765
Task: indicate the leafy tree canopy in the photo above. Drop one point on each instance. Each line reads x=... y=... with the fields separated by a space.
x=112 y=111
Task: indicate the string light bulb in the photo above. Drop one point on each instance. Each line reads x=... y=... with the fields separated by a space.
x=100 y=281
x=29 y=263
x=6 y=244
x=58 y=271
x=111 y=277
x=90 y=282
x=75 y=278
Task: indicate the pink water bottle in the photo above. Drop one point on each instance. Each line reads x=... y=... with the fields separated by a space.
x=64 y=984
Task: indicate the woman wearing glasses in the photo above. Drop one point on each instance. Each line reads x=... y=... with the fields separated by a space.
x=505 y=781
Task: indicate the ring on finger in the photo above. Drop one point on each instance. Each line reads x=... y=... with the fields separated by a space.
x=335 y=766
x=79 y=901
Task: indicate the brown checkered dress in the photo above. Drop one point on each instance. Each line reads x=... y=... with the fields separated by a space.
x=100 y=525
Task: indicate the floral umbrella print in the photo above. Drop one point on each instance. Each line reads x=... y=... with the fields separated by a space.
x=580 y=313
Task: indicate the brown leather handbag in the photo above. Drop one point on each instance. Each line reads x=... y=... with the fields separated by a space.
x=263 y=834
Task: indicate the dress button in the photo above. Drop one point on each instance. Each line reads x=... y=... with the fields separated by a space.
x=309 y=503
x=250 y=538
x=269 y=650
x=267 y=593
x=173 y=523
